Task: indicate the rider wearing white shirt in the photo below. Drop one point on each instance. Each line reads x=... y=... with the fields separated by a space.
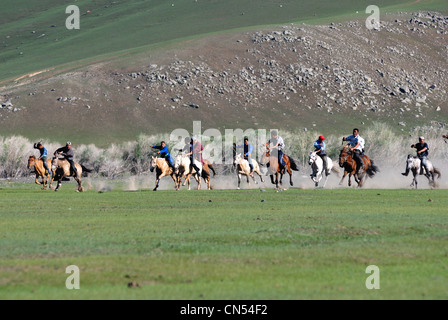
x=357 y=147
x=277 y=146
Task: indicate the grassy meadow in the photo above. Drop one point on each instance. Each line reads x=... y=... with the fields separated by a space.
x=224 y=244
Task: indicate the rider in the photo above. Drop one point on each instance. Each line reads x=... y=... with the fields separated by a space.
x=197 y=150
x=191 y=153
x=43 y=155
x=248 y=149
x=68 y=154
x=320 y=146
x=422 y=153
x=164 y=153
x=278 y=145
x=357 y=147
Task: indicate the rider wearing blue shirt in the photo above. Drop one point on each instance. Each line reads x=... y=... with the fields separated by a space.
x=357 y=147
x=248 y=149
x=43 y=154
x=320 y=146
x=164 y=153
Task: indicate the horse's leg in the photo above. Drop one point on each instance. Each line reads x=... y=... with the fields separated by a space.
x=343 y=177
x=78 y=180
x=37 y=179
x=272 y=179
x=290 y=177
x=259 y=174
x=239 y=180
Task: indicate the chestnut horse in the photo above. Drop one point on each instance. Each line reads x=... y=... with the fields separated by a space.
x=348 y=163
x=274 y=168
x=40 y=171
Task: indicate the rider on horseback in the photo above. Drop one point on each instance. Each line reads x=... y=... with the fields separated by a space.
x=194 y=150
x=422 y=153
x=320 y=146
x=248 y=149
x=43 y=155
x=68 y=154
x=357 y=147
x=277 y=146
x=164 y=153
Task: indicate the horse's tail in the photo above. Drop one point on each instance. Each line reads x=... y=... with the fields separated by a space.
x=293 y=164
x=85 y=170
x=372 y=170
x=335 y=169
x=211 y=168
x=436 y=171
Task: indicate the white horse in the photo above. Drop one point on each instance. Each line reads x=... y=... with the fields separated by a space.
x=183 y=169
x=317 y=164
x=244 y=169
x=413 y=164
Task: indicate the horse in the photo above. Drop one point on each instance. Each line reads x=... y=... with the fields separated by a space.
x=316 y=164
x=243 y=168
x=206 y=168
x=274 y=168
x=40 y=171
x=413 y=164
x=162 y=169
x=61 y=169
x=347 y=162
x=183 y=169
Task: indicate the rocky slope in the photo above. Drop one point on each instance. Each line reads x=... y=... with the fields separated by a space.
x=294 y=76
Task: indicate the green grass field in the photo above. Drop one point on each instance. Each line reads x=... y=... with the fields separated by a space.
x=34 y=37
x=296 y=244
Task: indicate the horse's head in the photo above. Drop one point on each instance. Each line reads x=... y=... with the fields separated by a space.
x=343 y=156
x=237 y=158
x=265 y=157
x=178 y=162
x=411 y=162
x=153 y=164
x=54 y=163
x=312 y=158
x=31 y=161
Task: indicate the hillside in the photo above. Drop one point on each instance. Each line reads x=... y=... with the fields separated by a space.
x=291 y=76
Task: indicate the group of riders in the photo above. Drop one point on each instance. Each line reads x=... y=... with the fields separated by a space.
x=193 y=148
x=66 y=152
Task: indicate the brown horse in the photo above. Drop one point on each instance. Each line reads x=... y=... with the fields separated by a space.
x=40 y=171
x=274 y=168
x=61 y=169
x=162 y=169
x=207 y=166
x=348 y=163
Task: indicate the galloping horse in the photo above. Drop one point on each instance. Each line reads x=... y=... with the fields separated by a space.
x=183 y=168
x=162 y=169
x=39 y=170
x=274 y=168
x=347 y=162
x=61 y=168
x=242 y=166
x=413 y=164
x=317 y=165
x=206 y=168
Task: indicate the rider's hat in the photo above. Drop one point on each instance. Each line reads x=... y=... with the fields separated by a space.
x=321 y=138
x=421 y=138
x=68 y=143
x=246 y=138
